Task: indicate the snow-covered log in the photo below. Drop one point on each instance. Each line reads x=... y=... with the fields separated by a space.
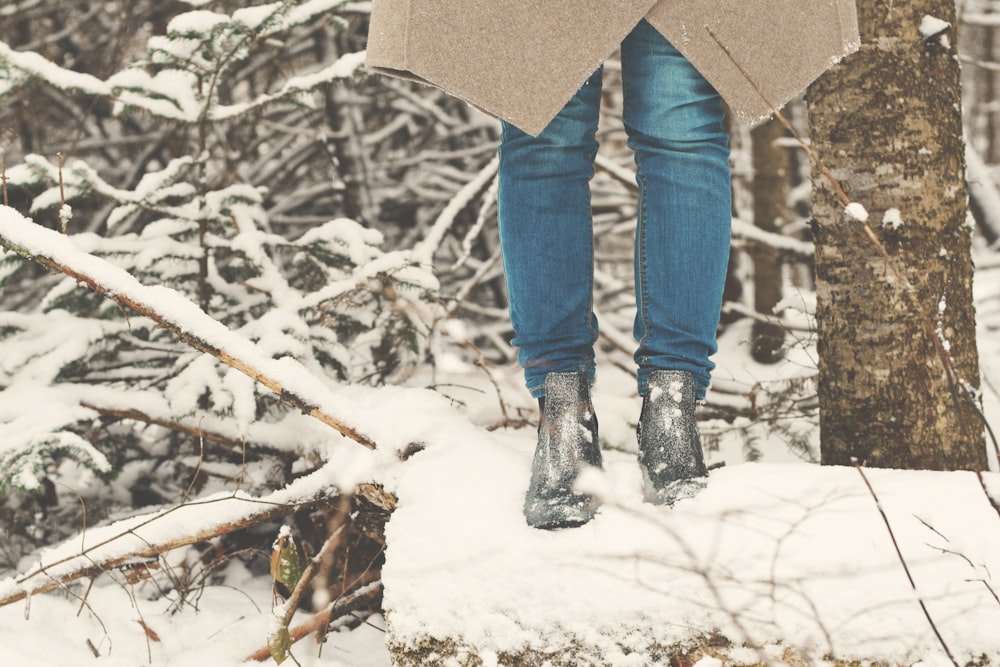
x=771 y=564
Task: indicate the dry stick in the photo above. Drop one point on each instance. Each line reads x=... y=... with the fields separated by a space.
x=906 y=568
x=957 y=386
x=967 y=560
x=139 y=416
x=329 y=546
x=695 y=568
x=197 y=470
x=351 y=602
x=201 y=345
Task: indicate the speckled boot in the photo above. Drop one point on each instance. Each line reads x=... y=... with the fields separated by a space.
x=567 y=442
x=670 y=454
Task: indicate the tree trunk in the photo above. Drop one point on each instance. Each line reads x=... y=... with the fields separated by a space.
x=770 y=210
x=979 y=42
x=887 y=123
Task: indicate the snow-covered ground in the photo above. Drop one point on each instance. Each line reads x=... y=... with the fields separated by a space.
x=779 y=550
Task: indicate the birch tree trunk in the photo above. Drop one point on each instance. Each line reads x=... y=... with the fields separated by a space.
x=887 y=123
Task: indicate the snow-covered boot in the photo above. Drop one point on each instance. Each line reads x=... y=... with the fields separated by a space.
x=567 y=442
x=670 y=454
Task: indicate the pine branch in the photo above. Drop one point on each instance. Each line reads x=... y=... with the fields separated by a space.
x=192 y=326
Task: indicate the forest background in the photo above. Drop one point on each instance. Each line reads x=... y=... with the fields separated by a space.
x=245 y=160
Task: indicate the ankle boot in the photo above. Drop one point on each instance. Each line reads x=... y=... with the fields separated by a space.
x=567 y=441
x=670 y=454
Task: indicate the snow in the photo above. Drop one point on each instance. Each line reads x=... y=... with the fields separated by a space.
x=856 y=211
x=931 y=27
x=779 y=551
x=893 y=219
x=776 y=551
x=782 y=552
x=768 y=552
x=33 y=64
x=196 y=22
x=181 y=313
x=174 y=92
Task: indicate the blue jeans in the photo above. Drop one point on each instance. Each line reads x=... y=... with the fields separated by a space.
x=674 y=121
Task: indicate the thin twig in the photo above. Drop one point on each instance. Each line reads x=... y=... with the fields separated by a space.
x=22 y=588
x=62 y=196
x=197 y=471
x=814 y=158
x=906 y=568
x=345 y=605
x=329 y=546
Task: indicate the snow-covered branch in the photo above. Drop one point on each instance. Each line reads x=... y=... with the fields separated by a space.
x=139 y=539
x=286 y=377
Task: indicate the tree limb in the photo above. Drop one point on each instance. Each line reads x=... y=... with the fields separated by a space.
x=136 y=302
x=81 y=564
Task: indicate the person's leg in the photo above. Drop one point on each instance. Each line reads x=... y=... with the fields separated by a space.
x=674 y=120
x=546 y=238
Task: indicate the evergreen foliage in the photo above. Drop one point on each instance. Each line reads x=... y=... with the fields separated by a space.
x=326 y=294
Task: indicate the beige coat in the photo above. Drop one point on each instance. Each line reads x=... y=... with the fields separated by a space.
x=521 y=60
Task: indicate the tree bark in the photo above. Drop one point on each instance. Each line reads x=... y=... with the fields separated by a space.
x=887 y=123
x=770 y=210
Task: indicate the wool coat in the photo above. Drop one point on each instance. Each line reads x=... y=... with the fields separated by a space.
x=522 y=60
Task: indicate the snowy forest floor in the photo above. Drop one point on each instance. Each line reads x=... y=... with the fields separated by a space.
x=781 y=552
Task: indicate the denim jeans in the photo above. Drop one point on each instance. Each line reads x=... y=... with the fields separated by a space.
x=674 y=121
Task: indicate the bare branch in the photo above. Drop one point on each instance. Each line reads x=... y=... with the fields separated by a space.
x=363 y=598
x=906 y=568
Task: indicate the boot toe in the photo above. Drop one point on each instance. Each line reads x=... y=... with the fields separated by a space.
x=564 y=510
x=671 y=492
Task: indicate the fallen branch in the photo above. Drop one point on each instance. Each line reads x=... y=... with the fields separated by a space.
x=185 y=320
x=137 y=539
x=177 y=426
